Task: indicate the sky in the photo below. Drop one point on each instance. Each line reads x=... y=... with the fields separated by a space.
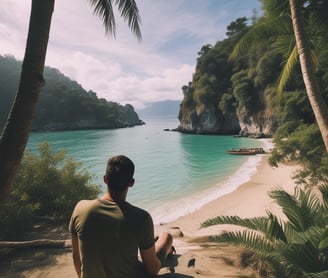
x=123 y=69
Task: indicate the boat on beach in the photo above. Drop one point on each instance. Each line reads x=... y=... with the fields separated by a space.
x=247 y=151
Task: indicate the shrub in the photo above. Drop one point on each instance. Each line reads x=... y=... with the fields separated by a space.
x=47 y=184
x=294 y=248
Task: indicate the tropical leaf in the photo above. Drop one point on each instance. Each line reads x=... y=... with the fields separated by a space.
x=306 y=255
x=262 y=31
x=104 y=9
x=300 y=209
x=256 y=223
x=128 y=9
x=323 y=244
x=274 y=229
x=324 y=192
x=251 y=240
x=287 y=70
x=322 y=274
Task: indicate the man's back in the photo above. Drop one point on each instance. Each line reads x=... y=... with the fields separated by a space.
x=109 y=237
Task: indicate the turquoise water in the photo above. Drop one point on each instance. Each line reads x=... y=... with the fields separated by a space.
x=175 y=173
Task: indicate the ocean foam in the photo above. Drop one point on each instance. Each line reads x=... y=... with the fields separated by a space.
x=172 y=210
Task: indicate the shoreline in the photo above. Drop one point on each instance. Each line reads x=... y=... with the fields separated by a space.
x=173 y=210
x=176 y=209
x=250 y=199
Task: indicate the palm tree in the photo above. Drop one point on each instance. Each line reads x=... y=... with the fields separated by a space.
x=318 y=105
x=297 y=247
x=16 y=131
x=284 y=25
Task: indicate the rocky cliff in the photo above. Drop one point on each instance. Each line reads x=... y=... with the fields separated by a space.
x=232 y=96
x=210 y=120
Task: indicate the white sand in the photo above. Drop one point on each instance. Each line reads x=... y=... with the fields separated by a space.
x=249 y=200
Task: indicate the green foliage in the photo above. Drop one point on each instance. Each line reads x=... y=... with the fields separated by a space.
x=204 y=49
x=303 y=145
x=47 y=185
x=268 y=68
x=297 y=247
x=227 y=103
x=236 y=26
x=243 y=91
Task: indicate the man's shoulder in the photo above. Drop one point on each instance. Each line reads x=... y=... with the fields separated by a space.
x=86 y=204
x=138 y=210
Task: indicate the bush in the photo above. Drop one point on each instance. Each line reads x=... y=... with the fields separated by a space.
x=292 y=248
x=46 y=185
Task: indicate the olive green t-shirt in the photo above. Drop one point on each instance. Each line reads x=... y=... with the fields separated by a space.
x=109 y=237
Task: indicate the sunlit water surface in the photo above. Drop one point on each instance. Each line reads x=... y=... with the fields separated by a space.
x=175 y=173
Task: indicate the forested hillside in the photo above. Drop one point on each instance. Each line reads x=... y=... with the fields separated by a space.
x=63 y=103
x=240 y=95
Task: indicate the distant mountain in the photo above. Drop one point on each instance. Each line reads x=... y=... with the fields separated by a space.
x=63 y=103
x=160 y=108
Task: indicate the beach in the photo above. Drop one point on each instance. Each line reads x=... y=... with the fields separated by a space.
x=195 y=256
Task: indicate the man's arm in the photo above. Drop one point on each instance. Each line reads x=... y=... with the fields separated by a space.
x=150 y=260
x=155 y=256
x=76 y=255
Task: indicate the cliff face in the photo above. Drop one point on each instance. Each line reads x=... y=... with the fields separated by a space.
x=208 y=120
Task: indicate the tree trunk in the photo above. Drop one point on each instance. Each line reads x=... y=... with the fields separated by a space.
x=15 y=134
x=319 y=107
x=36 y=243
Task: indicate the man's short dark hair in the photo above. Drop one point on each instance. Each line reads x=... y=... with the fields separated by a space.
x=119 y=172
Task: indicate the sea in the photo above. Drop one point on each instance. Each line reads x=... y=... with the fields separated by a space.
x=175 y=173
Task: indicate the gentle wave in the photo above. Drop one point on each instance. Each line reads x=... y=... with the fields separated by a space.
x=176 y=173
x=171 y=211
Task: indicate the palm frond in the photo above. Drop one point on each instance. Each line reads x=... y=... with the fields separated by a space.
x=247 y=239
x=324 y=193
x=275 y=8
x=301 y=209
x=274 y=229
x=128 y=9
x=322 y=274
x=256 y=223
x=318 y=20
x=130 y=12
x=285 y=44
x=262 y=31
x=270 y=226
x=104 y=9
x=305 y=256
x=296 y=259
x=288 y=68
x=318 y=238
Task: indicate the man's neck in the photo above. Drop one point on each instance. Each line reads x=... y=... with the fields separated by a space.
x=119 y=198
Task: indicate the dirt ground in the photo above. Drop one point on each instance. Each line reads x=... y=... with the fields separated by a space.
x=195 y=258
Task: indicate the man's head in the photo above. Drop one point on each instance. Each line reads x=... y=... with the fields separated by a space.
x=119 y=173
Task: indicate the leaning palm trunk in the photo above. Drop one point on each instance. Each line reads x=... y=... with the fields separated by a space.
x=16 y=131
x=15 y=134
x=319 y=107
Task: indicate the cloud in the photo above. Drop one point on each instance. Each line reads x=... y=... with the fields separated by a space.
x=138 y=92
x=123 y=69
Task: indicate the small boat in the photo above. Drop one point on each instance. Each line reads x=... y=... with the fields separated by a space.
x=247 y=151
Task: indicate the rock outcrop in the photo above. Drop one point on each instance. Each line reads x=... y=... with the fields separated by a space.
x=207 y=120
